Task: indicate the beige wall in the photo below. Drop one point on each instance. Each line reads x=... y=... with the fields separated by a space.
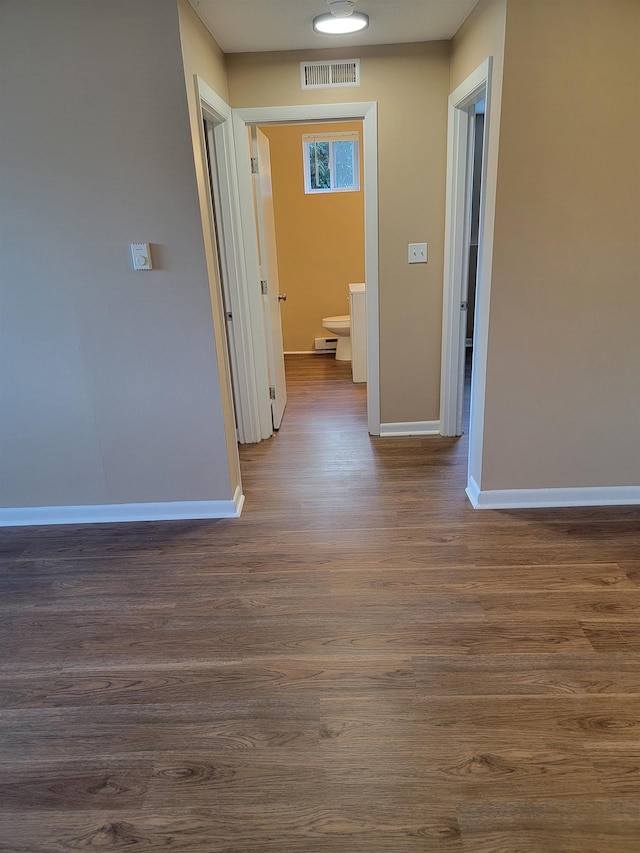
x=201 y=53
x=320 y=238
x=203 y=58
x=110 y=379
x=410 y=84
x=563 y=384
x=110 y=389
x=481 y=36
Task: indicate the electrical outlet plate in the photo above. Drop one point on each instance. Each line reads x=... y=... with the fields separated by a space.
x=418 y=253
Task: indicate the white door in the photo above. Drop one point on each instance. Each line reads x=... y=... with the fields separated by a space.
x=221 y=278
x=269 y=266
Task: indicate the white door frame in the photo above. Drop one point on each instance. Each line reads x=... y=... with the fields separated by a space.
x=456 y=261
x=232 y=260
x=256 y=351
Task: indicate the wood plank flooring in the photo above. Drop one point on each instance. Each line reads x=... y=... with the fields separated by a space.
x=360 y=664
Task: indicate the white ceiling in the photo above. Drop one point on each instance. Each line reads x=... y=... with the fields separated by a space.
x=255 y=25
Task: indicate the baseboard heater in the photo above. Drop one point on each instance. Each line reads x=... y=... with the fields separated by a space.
x=326 y=344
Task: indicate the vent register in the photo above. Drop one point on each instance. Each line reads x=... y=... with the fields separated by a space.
x=330 y=75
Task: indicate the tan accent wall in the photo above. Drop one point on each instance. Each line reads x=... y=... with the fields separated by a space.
x=481 y=35
x=320 y=238
x=110 y=389
x=410 y=83
x=201 y=53
x=202 y=57
x=563 y=384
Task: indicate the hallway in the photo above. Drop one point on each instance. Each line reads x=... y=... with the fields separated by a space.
x=362 y=663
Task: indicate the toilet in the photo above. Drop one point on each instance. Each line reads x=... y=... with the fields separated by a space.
x=340 y=326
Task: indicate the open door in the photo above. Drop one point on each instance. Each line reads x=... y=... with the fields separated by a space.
x=271 y=297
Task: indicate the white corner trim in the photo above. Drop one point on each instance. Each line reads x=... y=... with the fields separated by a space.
x=110 y=513
x=238 y=502
x=541 y=498
x=473 y=492
x=410 y=428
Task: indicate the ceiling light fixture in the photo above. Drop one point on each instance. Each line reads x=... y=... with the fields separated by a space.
x=340 y=19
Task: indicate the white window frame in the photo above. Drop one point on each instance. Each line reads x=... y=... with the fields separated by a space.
x=347 y=136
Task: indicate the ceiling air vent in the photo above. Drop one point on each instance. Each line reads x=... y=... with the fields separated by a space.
x=330 y=75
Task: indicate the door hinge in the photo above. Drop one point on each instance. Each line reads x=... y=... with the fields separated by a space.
x=272 y=392
x=254 y=165
x=264 y=287
x=464 y=306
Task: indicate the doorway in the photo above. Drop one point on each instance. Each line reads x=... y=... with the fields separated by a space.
x=465 y=245
x=242 y=120
x=317 y=228
x=476 y=187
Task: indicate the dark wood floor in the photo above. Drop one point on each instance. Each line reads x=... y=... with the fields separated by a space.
x=360 y=664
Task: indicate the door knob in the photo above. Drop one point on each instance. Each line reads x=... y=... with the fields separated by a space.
x=282 y=297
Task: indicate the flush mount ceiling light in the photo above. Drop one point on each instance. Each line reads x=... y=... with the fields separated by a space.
x=340 y=19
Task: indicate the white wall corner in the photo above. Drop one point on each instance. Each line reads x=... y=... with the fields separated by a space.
x=112 y=513
x=548 y=498
x=410 y=428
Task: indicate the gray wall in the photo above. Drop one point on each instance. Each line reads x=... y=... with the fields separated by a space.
x=110 y=389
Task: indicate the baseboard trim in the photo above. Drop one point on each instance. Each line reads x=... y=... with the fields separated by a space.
x=410 y=428
x=110 y=513
x=307 y=351
x=548 y=498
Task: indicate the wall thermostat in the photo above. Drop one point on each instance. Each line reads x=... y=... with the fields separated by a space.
x=141 y=254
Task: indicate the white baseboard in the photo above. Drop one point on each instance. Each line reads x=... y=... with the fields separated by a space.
x=541 y=498
x=307 y=351
x=109 y=513
x=411 y=428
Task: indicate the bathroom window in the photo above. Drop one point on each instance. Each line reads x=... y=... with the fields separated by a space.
x=331 y=162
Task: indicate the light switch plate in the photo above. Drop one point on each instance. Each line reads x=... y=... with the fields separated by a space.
x=418 y=253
